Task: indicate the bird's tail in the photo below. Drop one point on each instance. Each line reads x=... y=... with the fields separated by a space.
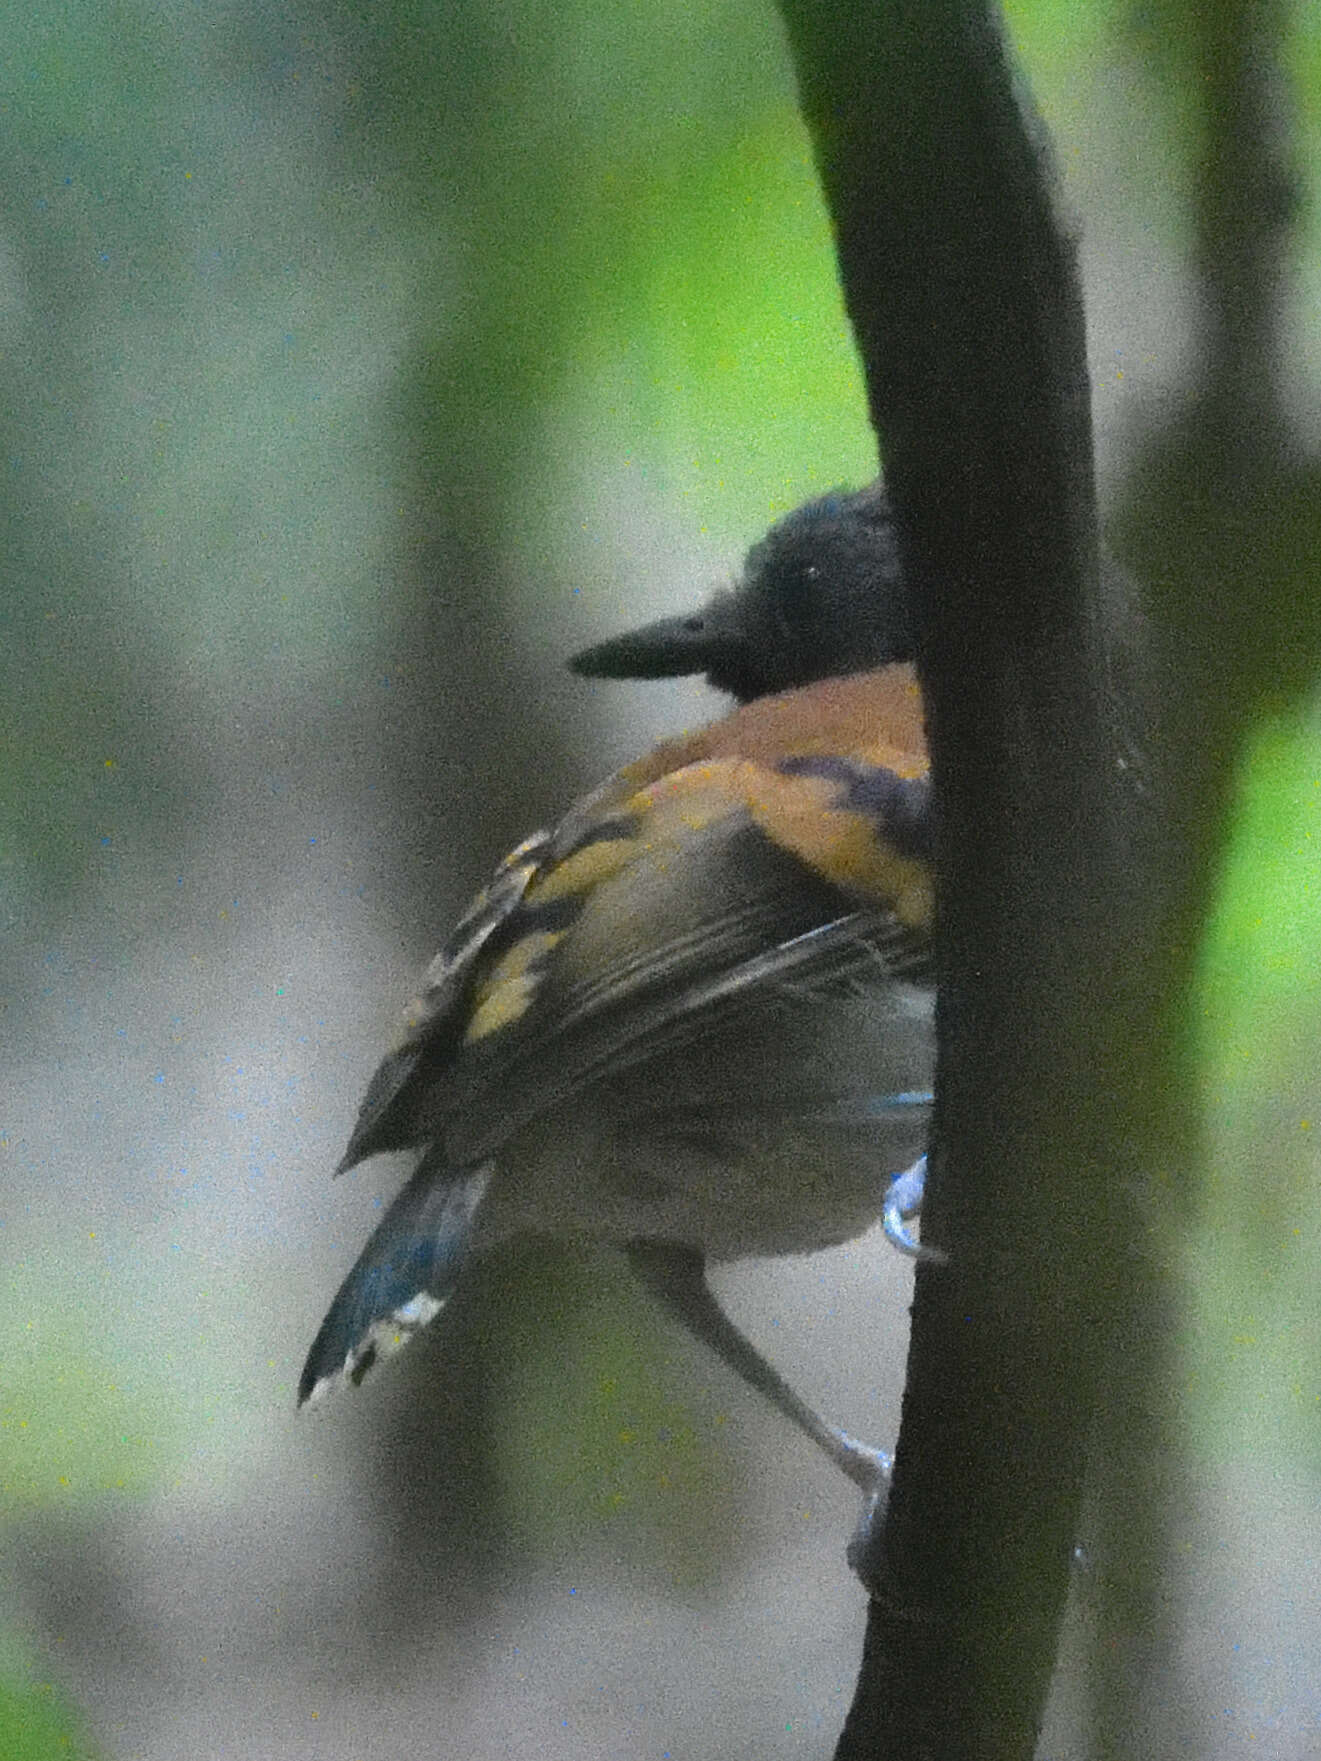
x=402 y=1277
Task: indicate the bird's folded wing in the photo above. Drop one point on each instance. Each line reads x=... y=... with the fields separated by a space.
x=660 y=906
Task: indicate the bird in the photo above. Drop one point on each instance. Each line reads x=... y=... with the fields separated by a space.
x=693 y=1021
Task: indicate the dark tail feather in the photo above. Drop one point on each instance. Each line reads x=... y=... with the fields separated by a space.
x=402 y=1276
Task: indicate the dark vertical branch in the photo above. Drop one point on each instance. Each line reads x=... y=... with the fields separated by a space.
x=962 y=289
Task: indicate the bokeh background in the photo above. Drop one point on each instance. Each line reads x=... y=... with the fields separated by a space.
x=357 y=364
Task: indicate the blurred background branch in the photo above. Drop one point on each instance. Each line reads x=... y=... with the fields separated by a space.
x=1220 y=513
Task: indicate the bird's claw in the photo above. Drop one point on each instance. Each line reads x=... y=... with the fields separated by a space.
x=904 y=1200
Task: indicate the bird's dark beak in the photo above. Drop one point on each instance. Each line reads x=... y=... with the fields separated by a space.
x=663 y=650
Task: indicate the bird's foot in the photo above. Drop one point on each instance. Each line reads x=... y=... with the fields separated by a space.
x=904 y=1200
x=869 y=1469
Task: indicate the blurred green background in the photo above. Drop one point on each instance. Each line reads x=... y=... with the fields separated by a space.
x=359 y=364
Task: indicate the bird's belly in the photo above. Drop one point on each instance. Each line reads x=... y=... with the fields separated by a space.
x=780 y=1137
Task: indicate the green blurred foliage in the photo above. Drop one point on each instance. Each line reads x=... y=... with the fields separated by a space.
x=71 y=1434
x=1254 y=1345
x=1059 y=41
x=37 y=1725
x=1259 y=962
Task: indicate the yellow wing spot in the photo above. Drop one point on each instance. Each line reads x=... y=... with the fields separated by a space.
x=583 y=870
x=505 y=994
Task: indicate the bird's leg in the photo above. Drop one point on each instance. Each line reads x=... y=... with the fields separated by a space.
x=676 y=1276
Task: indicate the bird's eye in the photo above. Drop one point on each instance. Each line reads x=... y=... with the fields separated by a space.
x=812 y=573
x=694 y=626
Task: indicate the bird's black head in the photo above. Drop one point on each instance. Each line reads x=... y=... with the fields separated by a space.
x=820 y=594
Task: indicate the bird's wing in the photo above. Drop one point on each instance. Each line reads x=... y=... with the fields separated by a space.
x=677 y=894
x=434 y=1018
